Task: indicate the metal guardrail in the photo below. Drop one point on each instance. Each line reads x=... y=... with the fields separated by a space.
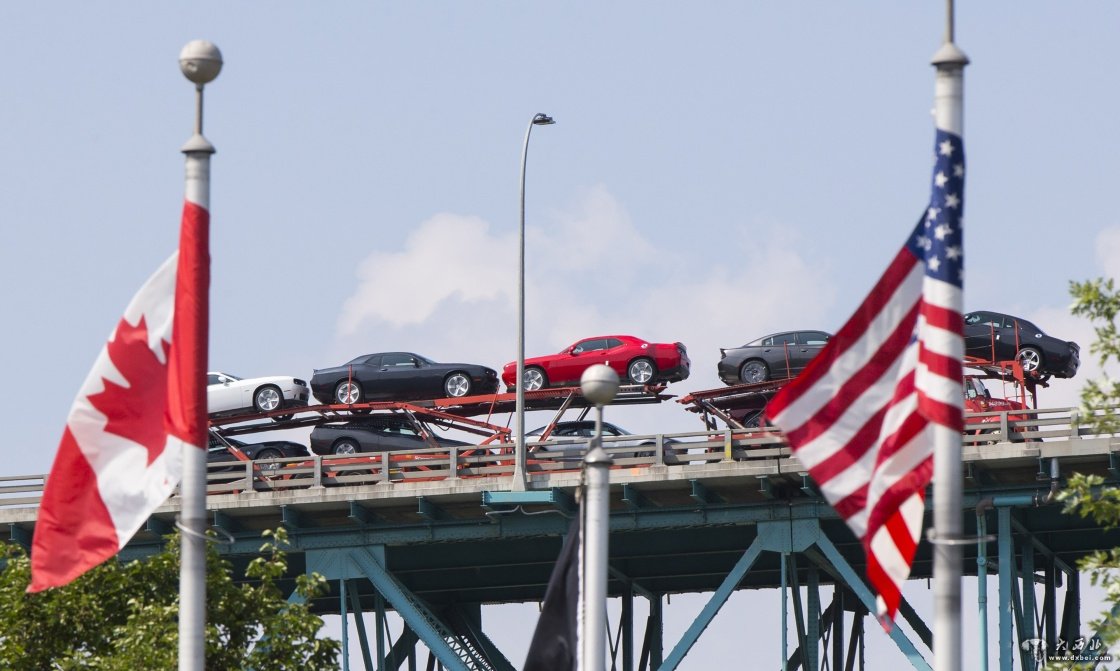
x=684 y=450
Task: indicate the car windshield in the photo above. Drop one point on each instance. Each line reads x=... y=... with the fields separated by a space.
x=974 y=388
x=233 y=377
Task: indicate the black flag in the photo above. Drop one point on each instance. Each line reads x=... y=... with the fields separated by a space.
x=555 y=645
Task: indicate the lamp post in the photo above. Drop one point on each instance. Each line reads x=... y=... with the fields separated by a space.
x=599 y=384
x=538 y=119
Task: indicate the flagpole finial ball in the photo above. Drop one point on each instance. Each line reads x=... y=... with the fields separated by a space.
x=200 y=61
x=599 y=384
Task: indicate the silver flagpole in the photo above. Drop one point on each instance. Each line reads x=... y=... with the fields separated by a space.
x=599 y=384
x=947 y=515
x=200 y=62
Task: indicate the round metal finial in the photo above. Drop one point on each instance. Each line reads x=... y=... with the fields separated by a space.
x=200 y=61
x=599 y=384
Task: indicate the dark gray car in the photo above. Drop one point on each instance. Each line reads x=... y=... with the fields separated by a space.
x=374 y=434
x=773 y=357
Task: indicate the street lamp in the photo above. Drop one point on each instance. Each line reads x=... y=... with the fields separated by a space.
x=519 y=456
x=599 y=385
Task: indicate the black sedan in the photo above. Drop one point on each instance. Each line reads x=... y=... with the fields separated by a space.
x=219 y=450
x=772 y=357
x=993 y=336
x=400 y=376
x=374 y=434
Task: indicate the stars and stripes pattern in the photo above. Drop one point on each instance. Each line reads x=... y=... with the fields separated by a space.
x=866 y=413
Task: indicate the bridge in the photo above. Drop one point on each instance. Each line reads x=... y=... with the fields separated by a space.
x=435 y=535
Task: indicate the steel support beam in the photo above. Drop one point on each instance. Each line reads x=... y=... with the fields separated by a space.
x=714 y=604
x=1006 y=573
x=838 y=628
x=839 y=563
x=403 y=649
x=1071 y=609
x=1049 y=602
x=813 y=620
x=408 y=607
x=655 y=633
x=1029 y=624
x=345 y=620
x=627 y=625
x=379 y=629
x=360 y=623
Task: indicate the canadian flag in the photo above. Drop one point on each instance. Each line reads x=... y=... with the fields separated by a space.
x=140 y=407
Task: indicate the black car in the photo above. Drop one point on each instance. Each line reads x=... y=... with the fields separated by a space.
x=993 y=336
x=219 y=450
x=400 y=376
x=579 y=432
x=772 y=357
x=374 y=434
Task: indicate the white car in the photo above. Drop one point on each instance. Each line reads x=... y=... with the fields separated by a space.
x=227 y=394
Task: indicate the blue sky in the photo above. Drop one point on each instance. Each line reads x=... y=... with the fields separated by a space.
x=718 y=171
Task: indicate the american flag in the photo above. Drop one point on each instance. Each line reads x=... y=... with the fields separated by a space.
x=865 y=414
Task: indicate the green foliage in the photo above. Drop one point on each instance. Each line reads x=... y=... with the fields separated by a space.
x=123 y=616
x=1085 y=496
x=1099 y=301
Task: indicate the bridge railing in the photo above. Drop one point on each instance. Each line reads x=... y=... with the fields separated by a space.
x=686 y=449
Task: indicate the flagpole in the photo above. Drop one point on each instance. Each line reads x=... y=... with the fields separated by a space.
x=599 y=384
x=200 y=62
x=947 y=516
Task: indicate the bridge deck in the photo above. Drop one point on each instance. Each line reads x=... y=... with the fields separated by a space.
x=454 y=528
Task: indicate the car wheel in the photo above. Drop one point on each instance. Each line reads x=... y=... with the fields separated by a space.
x=457 y=385
x=348 y=392
x=641 y=371
x=1030 y=358
x=267 y=398
x=535 y=379
x=268 y=469
x=754 y=371
x=346 y=446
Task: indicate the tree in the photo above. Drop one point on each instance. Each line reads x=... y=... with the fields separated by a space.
x=1099 y=301
x=1085 y=495
x=123 y=616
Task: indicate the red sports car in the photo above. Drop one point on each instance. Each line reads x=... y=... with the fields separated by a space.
x=634 y=359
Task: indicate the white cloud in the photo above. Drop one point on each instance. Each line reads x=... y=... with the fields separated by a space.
x=589 y=270
x=443 y=259
x=1108 y=251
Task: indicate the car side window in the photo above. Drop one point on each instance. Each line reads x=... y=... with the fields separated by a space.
x=785 y=339
x=613 y=342
x=989 y=319
x=589 y=346
x=972 y=319
x=812 y=338
x=212 y=379
x=398 y=361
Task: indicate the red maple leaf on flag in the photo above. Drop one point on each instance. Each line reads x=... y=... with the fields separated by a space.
x=136 y=412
